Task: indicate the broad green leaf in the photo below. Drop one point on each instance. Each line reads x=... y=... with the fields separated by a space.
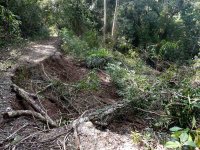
x=174 y=129
x=176 y=134
x=190 y=143
x=193 y=122
x=197 y=140
x=183 y=137
x=171 y=144
x=190 y=138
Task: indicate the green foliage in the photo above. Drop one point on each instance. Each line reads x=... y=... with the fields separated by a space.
x=100 y=53
x=149 y=23
x=91 y=37
x=9 y=27
x=184 y=105
x=123 y=45
x=30 y=14
x=90 y=83
x=136 y=137
x=184 y=138
x=170 y=51
x=74 y=15
x=171 y=91
x=130 y=85
x=60 y=88
x=98 y=58
x=182 y=100
x=72 y=44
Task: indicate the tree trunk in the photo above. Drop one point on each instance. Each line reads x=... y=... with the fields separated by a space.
x=114 y=20
x=93 y=5
x=105 y=21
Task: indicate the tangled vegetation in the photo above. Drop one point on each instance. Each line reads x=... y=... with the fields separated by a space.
x=149 y=48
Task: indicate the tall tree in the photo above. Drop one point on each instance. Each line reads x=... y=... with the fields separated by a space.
x=105 y=21
x=114 y=19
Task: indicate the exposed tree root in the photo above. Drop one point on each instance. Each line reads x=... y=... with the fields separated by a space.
x=42 y=115
x=86 y=116
x=19 y=113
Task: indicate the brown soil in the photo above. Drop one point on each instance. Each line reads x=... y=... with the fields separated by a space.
x=64 y=70
x=42 y=66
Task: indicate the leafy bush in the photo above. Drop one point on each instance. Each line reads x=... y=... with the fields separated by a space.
x=9 y=26
x=91 y=37
x=142 y=28
x=74 y=15
x=98 y=58
x=177 y=96
x=131 y=60
x=130 y=85
x=30 y=14
x=123 y=45
x=171 y=92
x=100 y=53
x=72 y=44
x=184 y=138
x=170 y=51
x=184 y=105
x=91 y=82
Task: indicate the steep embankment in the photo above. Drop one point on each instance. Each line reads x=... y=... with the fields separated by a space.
x=62 y=89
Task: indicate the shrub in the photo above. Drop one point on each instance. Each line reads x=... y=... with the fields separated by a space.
x=131 y=60
x=9 y=26
x=91 y=82
x=130 y=85
x=184 y=105
x=184 y=138
x=30 y=14
x=123 y=45
x=74 y=15
x=91 y=37
x=170 y=51
x=179 y=97
x=98 y=58
x=72 y=44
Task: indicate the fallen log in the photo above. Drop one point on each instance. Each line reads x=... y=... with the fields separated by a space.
x=18 y=113
x=95 y=116
x=92 y=115
x=25 y=95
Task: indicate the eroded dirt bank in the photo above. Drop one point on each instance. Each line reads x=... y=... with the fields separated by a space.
x=63 y=91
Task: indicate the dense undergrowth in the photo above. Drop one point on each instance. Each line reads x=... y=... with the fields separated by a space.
x=174 y=93
x=21 y=20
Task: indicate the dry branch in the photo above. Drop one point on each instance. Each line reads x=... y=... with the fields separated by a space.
x=86 y=116
x=25 y=95
x=10 y=137
x=44 y=89
x=57 y=103
x=17 y=113
x=93 y=115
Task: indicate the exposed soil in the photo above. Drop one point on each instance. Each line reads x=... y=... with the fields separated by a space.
x=65 y=70
x=11 y=58
x=55 y=79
